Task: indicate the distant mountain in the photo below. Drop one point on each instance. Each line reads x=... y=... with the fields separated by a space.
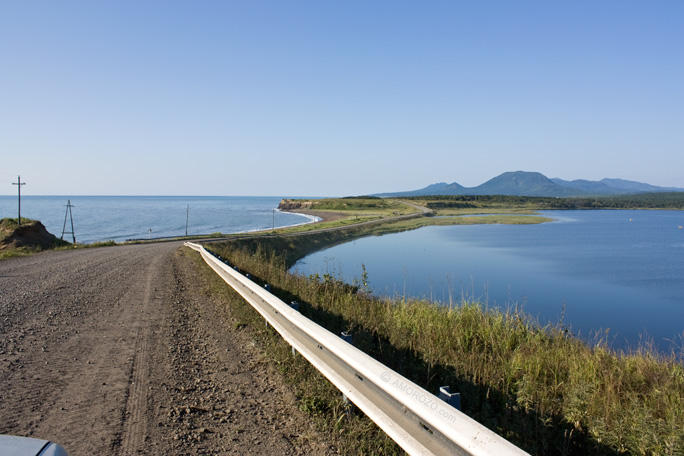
x=638 y=187
x=523 y=183
x=441 y=188
x=589 y=187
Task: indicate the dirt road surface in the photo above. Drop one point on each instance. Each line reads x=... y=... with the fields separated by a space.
x=116 y=351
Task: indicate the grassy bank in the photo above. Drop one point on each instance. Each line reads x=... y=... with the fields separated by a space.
x=671 y=201
x=32 y=237
x=28 y=238
x=545 y=391
x=362 y=205
x=293 y=243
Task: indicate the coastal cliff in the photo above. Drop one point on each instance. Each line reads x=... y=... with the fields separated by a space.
x=293 y=205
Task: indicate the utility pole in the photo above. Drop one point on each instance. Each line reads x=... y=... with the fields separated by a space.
x=69 y=213
x=187 y=217
x=273 y=219
x=19 y=183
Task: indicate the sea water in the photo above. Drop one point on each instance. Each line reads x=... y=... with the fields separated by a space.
x=120 y=218
x=594 y=271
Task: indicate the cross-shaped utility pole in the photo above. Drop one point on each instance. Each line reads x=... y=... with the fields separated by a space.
x=19 y=183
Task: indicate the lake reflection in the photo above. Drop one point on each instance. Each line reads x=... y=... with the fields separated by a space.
x=622 y=270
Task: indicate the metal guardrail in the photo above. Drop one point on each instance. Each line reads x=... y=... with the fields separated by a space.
x=418 y=421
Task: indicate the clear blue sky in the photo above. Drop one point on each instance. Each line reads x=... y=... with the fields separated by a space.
x=333 y=98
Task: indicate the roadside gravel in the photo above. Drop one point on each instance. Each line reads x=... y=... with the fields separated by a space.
x=116 y=351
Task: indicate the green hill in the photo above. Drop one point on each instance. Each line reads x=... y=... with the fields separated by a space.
x=524 y=183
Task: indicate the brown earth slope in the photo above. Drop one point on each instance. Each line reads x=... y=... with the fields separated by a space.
x=30 y=234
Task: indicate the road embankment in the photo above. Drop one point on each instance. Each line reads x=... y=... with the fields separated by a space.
x=543 y=389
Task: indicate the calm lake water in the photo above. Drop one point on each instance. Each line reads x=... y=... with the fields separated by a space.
x=616 y=270
x=118 y=218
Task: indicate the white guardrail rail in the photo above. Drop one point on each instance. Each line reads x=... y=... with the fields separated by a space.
x=418 y=421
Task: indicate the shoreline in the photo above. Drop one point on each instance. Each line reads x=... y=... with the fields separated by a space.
x=312 y=218
x=323 y=216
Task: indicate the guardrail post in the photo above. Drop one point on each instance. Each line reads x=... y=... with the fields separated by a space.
x=347 y=337
x=295 y=306
x=267 y=287
x=453 y=399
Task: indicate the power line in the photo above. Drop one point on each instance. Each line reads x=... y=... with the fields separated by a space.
x=36 y=190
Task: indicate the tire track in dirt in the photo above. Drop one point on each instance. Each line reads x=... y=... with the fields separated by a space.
x=133 y=417
x=68 y=317
x=118 y=351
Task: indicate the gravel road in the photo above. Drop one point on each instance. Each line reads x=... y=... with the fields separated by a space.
x=118 y=351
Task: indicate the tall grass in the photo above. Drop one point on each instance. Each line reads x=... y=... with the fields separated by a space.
x=539 y=387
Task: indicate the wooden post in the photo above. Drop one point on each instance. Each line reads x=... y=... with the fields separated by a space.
x=187 y=217
x=18 y=183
